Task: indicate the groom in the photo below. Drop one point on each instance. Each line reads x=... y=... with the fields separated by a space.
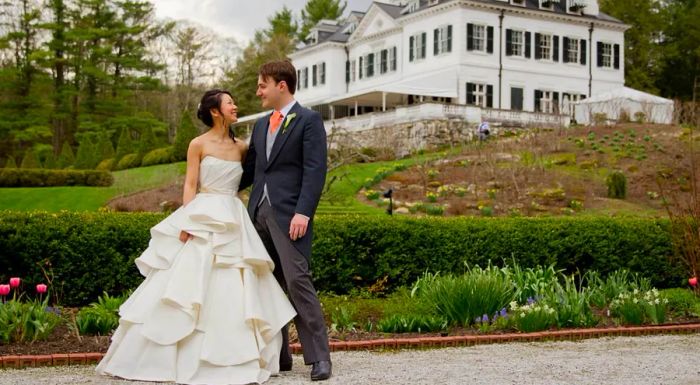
x=286 y=163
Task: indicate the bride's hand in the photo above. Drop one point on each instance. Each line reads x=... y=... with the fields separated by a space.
x=185 y=236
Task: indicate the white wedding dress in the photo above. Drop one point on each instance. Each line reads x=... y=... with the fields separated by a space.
x=210 y=310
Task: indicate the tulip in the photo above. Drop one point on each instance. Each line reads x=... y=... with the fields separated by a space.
x=4 y=290
x=693 y=281
x=41 y=288
x=14 y=282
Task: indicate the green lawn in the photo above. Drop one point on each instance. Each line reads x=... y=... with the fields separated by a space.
x=89 y=198
x=340 y=199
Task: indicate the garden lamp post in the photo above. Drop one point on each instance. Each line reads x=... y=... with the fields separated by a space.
x=387 y=194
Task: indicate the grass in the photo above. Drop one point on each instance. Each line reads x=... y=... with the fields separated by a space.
x=83 y=198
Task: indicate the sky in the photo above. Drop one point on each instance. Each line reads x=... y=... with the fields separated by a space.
x=235 y=18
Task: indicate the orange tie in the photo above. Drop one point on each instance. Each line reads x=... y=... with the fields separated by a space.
x=275 y=121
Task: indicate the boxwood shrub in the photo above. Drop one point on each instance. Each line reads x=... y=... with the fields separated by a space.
x=90 y=253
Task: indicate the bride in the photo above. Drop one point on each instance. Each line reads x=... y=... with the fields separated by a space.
x=210 y=310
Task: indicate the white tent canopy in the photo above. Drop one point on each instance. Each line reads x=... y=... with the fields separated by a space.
x=617 y=102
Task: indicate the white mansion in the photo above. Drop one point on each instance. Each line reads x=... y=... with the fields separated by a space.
x=522 y=55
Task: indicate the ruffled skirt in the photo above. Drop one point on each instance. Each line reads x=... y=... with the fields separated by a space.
x=210 y=310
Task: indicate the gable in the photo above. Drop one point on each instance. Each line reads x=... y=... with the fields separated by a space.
x=375 y=21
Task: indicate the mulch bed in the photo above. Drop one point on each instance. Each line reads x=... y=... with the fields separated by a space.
x=63 y=340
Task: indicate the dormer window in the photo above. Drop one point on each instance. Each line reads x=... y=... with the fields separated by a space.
x=547 y=4
x=575 y=6
x=313 y=37
x=433 y=2
x=411 y=7
x=520 y=3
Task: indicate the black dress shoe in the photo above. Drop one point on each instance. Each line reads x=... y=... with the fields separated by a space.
x=285 y=366
x=321 y=370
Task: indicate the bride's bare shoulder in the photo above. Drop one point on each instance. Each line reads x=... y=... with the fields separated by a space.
x=242 y=146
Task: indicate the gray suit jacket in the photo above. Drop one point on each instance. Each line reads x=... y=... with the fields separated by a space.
x=295 y=172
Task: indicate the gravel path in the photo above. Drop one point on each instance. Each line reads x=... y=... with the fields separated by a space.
x=658 y=360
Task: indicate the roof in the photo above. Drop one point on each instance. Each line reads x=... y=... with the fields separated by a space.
x=393 y=10
x=335 y=32
x=625 y=93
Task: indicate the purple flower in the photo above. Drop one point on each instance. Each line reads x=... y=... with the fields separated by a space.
x=504 y=313
x=485 y=319
x=51 y=309
x=495 y=317
x=530 y=300
x=477 y=320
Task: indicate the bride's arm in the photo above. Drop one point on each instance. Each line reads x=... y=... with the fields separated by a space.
x=194 y=153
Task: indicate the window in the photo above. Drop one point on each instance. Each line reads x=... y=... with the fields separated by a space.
x=314 y=77
x=479 y=38
x=546 y=101
x=392 y=59
x=515 y=43
x=304 y=79
x=298 y=80
x=547 y=4
x=608 y=55
x=347 y=71
x=479 y=94
x=442 y=40
x=516 y=98
x=545 y=47
x=369 y=65
x=574 y=51
x=384 y=61
x=416 y=46
x=322 y=73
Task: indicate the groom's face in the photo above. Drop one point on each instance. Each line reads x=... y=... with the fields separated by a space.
x=269 y=92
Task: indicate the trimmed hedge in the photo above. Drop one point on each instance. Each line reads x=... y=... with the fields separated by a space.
x=93 y=252
x=46 y=178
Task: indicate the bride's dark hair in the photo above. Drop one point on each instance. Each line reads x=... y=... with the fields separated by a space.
x=212 y=100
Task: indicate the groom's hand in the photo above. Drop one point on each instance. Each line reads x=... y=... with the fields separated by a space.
x=297 y=228
x=185 y=236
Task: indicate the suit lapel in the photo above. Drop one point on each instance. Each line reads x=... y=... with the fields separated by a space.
x=284 y=133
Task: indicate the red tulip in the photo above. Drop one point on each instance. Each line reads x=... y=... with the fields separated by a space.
x=14 y=282
x=693 y=281
x=4 y=290
x=41 y=288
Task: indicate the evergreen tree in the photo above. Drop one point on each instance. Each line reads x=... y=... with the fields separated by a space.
x=30 y=160
x=67 y=158
x=185 y=133
x=317 y=10
x=86 y=158
x=10 y=162
x=125 y=145
x=105 y=148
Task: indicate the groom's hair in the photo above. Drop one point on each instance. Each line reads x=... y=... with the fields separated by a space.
x=281 y=70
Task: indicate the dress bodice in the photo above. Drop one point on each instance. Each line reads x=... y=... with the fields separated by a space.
x=219 y=176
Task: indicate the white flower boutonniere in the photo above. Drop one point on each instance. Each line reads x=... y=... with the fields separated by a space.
x=288 y=119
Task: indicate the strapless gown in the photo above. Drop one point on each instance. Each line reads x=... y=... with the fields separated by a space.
x=209 y=310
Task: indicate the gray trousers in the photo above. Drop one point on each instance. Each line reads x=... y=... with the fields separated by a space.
x=292 y=273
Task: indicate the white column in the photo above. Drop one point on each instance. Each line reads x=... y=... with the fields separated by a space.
x=355 y=107
x=332 y=112
x=383 y=101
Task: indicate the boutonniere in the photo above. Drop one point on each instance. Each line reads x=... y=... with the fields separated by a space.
x=288 y=119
